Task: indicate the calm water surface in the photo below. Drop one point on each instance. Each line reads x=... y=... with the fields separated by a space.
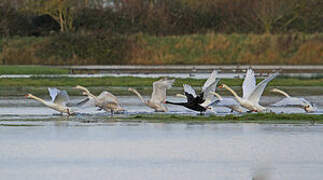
x=129 y=150
x=83 y=147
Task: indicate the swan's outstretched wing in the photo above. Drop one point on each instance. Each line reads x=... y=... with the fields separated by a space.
x=257 y=92
x=227 y=102
x=249 y=84
x=62 y=98
x=107 y=98
x=53 y=93
x=159 y=90
x=207 y=95
x=189 y=90
x=292 y=101
x=208 y=87
x=210 y=81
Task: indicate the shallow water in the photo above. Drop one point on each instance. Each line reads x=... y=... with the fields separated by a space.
x=37 y=143
x=21 y=108
x=129 y=150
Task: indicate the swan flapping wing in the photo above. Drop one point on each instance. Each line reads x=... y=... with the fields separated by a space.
x=257 y=92
x=208 y=87
x=53 y=93
x=292 y=101
x=58 y=96
x=227 y=102
x=107 y=98
x=159 y=90
x=189 y=90
x=249 y=84
x=207 y=95
x=210 y=81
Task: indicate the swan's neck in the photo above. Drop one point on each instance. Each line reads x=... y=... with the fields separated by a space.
x=281 y=92
x=233 y=92
x=218 y=96
x=86 y=91
x=139 y=96
x=39 y=99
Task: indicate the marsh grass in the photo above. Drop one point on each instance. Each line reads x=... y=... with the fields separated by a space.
x=245 y=118
x=142 y=82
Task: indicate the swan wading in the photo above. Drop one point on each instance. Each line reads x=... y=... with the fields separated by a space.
x=158 y=96
x=251 y=92
x=293 y=101
x=105 y=100
x=200 y=102
x=58 y=103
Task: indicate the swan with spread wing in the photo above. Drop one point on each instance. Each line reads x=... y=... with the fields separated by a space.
x=200 y=102
x=228 y=103
x=105 y=100
x=58 y=102
x=251 y=91
x=158 y=96
x=293 y=101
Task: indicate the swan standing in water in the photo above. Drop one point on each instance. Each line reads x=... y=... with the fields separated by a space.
x=228 y=103
x=200 y=102
x=293 y=101
x=59 y=100
x=158 y=96
x=251 y=92
x=105 y=100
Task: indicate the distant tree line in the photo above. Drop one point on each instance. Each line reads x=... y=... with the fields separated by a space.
x=159 y=17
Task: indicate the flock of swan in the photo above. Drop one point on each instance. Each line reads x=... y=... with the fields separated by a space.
x=206 y=100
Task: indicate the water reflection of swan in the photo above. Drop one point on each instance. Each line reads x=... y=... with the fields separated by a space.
x=251 y=92
x=59 y=100
x=158 y=96
x=200 y=102
x=105 y=100
x=293 y=101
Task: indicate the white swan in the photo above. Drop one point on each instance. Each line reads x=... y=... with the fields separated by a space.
x=105 y=100
x=251 y=92
x=58 y=103
x=158 y=96
x=293 y=101
x=228 y=103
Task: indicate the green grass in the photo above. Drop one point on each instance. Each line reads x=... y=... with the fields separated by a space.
x=260 y=118
x=141 y=82
x=246 y=118
x=6 y=69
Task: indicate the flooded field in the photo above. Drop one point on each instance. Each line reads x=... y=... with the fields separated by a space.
x=38 y=143
x=136 y=151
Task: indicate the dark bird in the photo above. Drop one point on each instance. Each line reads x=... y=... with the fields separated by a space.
x=200 y=102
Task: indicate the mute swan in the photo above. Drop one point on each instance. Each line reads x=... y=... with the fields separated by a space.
x=228 y=103
x=251 y=92
x=58 y=103
x=105 y=100
x=293 y=101
x=158 y=96
x=200 y=102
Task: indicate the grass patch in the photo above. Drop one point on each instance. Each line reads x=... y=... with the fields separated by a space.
x=246 y=118
x=142 y=82
x=7 y=69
